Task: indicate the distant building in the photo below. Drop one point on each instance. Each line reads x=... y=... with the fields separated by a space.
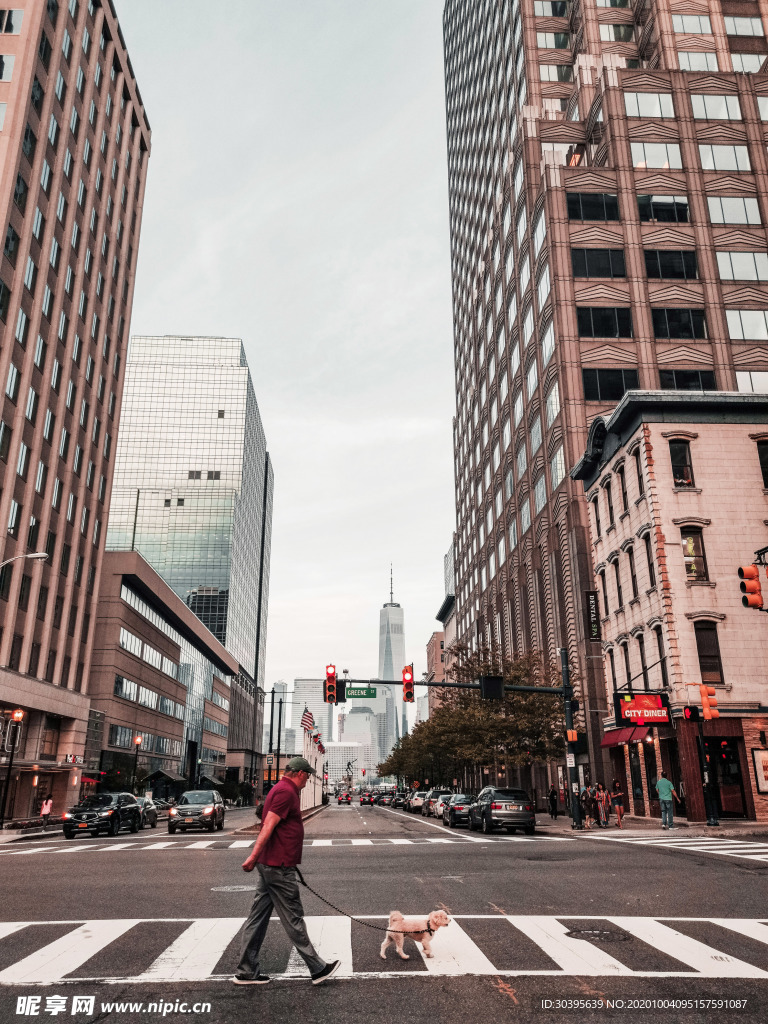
x=422 y=708
x=360 y=755
x=446 y=614
x=309 y=693
x=389 y=702
x=359 y=725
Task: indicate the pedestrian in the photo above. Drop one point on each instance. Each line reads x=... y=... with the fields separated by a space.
x=601 y=800
x=585 y=807
x=666 y=791
x=552 y=800
x=592 y=801
x=45 y=810
x=275 y=855
x=617 y=802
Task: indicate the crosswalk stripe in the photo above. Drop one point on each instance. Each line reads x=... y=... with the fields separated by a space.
x=752 y=929
x=454 y=952
x=66 y=954
x=332 y=939
x=202 y=844
x=36 y=849
x=689 y=951
x=158 y=846
x=80 y=849
x=196 y=952
x=401 y=842
x=241 y=844
x=574 y=956
x=120 y=846
x=322 y=842
x=438 y=840
x=8 y=928
x=362 y=842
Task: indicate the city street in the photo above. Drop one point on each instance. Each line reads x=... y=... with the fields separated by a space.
x=141 y=918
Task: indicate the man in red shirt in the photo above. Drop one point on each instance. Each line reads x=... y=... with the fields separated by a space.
x=275 y=855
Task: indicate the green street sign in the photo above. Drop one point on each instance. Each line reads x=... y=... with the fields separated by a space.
x=361 y=691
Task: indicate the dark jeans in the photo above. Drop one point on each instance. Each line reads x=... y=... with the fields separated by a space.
x=278 y=888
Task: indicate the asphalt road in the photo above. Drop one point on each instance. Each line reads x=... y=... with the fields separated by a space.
x=555 y=917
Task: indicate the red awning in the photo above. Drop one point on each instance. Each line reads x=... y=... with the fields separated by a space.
x=616 y=736
x=640 y=732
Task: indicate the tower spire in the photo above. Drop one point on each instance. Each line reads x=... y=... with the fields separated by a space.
x=391 y=585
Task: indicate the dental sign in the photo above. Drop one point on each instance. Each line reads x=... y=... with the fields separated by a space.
x=641 y=708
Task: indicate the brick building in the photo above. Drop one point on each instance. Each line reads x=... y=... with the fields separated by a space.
x=677 y=486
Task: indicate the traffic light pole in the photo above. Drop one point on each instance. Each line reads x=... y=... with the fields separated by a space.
x=710 y=804
x=16 y=731
x=567 y=691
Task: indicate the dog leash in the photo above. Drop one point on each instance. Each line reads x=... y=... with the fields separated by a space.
x=367 y=924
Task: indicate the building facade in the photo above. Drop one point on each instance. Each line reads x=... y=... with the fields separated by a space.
x=74 y=148
x=360 y=756
x=308 y=693
x=607 y=214
x=193 y=494
x=668 y=537
x=392 y=661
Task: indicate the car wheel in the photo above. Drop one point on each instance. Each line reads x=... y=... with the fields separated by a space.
x=487 y=826
x=512 y=831
x=472 y=826
x=212 y=826
x=135 y=824
x=142 y=824
x=114 y=827
x=153 y=824
x=171 y=830
x=451 y=821
x=220 y=826
x=69 y=835
x=530 y=830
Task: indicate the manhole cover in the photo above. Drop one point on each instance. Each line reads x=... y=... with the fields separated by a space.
x=233 y=888
x=598 y=935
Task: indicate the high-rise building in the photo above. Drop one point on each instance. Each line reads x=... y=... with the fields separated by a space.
x=193 y=494
x=309 y=693
x=75 y=142
x=607 y=233
x=389 y=702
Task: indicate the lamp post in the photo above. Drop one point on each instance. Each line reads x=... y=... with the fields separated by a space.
x=137 y=744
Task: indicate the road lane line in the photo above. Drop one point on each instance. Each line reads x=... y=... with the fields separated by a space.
x=709 y=962
x=193 y=956
x=202 y=844
x=455 y=953
x=66 y=954
x=464 y=838
x=401 y=842
x=241 y=844
x=322 y=842
x=159 y=846
x=362 y=842
x=574 y=956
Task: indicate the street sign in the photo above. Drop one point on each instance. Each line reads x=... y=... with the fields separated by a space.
x=270 y=759
x=592 y=612
x=73 y=759
x=570 y=760
x=361 y=691
x=647 y=708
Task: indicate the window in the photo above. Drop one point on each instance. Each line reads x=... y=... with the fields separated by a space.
x=11 y=244
x=747 y=63
x=607 y=385
x=30 y=274
x=687 y=380
x=557 y=468
x=632 y=572
x=550 y=9
x=5 y=296
x=679 y=323
x=556 y=72
x=20 y=193
x=130 y=642
x=553 y=403
x=716 y=108
x=747 y=324
x=12 y=384
x=525 y=516
x=23 y=461
x=592 y=206
x=744 y=27
x=724 y=158
x=734 y=209
x=553 y=40
x=596 y=510
x=742 y=266
x=604 y=588
x=598 y=263
x=682 y=468
x=662 y=154
x=643 y=665
x=649 y=104
x=752 y=380
x=125 y=688
x=617 y=33
x=609 y=501
x=708 y=648
x=617 y=578
x=691 y=23
x=604 y=321
x=639 y=472
x=671 y=263
x=762 y=454
x=14 y=519
x=694 y=556
x=697 y=60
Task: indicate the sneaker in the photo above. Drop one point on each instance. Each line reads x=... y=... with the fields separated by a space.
x=327 y=972
x=260 y=979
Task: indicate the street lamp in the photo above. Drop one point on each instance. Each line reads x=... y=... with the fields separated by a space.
x=137 y=744
x=30 y=554
x=15 y=723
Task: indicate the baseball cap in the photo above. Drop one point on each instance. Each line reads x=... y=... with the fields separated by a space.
x=300 y=764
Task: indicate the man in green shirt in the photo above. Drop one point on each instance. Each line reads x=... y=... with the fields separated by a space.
x=666 y=791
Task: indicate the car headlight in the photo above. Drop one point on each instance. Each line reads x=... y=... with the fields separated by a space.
x=105 y=814
x=208 y=810
x=66 y=815
x=173 y=811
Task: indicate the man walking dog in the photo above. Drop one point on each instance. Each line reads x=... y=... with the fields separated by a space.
x=275 y=855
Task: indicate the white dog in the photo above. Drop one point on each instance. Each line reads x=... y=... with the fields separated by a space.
x=420 y=929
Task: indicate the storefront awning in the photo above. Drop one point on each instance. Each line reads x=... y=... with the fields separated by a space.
x=628 y=735
x=173 y=776
x=213 y=779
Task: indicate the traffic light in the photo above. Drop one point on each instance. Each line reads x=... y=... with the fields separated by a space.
x=708 y=702
x=752 y=596
x=329 y=694
x=363 y=771
x=408 y=684
x=691 y=713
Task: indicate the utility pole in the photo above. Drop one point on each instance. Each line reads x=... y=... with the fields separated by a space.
x=279 y=723
x=14 y=724
x=271 y=724
x=571 y=745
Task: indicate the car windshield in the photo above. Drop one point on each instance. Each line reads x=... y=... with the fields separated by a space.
x=510 y=794
x=458 y=798
x=197 y=797
x=98 y=800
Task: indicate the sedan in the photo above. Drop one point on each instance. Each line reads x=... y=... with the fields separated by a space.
x=102 y=812
x=366 y=798
x=439 y=804
x=199 y=808
x=456 y=810
x=398 y=800
x=417 y=802
x=385 y=800
x=502 y=808
x=345 y=798
x=148 y=810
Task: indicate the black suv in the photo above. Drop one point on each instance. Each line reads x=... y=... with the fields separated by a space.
x=103 y=812
x=199 y=808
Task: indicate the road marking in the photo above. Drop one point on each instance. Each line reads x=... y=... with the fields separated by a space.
x=322 y=842
x=693 y=844
x=241 y=844
x=701 y=957
x=362 y=842
x=574 y=956
x=196 y=952
x=752 y=929
x=202 y=844
x=455 y=953
x=10 y=928
x=64 y=955
x=158 y=846
x=120 y=846
x=432 y=824
x=80 y=849
x=401 y=842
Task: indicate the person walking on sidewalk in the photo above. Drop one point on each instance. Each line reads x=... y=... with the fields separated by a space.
x=552 y=801
x=617 y=802
x=45 y=811
x=666 y=791
x=275 y=855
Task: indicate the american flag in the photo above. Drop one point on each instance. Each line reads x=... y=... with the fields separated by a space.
x=307 y=721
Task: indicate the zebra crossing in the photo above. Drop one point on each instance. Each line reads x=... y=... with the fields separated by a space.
x=506 y=945
x=744 y=848
x=83 y=846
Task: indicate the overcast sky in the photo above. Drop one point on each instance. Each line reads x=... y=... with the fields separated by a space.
x=297 y=198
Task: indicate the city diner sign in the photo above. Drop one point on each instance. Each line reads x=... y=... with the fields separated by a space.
x=641 y=708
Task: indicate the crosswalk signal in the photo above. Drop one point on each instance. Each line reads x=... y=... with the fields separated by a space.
x=329 y=694
x=691 y=713
x=752 y=596
x=408 y=684
x=708 y=702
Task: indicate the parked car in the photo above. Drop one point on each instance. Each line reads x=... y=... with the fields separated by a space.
x=102 y=812
x=398 y=798
x=430 y=800
x=439 y=804
x=417 y=801
x=502 y=808
x=385 y=800
x=345 y=798
x=161 y=805
x=148 y=810
x=199 y=808
x=456 y=810
x=366 y=798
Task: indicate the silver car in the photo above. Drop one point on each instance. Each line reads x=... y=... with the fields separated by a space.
x=502 y=808
x=417 y=802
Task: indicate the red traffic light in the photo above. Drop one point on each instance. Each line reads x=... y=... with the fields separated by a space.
x=363 y=771
x=708 y=702
x=329 y=694
x=18 y=715
x=408 y=684
x=752 y=596
x=691 y=713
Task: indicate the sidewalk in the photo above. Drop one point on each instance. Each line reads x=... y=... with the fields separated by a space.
x=634 y=824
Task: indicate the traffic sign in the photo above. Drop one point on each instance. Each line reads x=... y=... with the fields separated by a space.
x=570 y=760
x=270 y=759
x=361 y=691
